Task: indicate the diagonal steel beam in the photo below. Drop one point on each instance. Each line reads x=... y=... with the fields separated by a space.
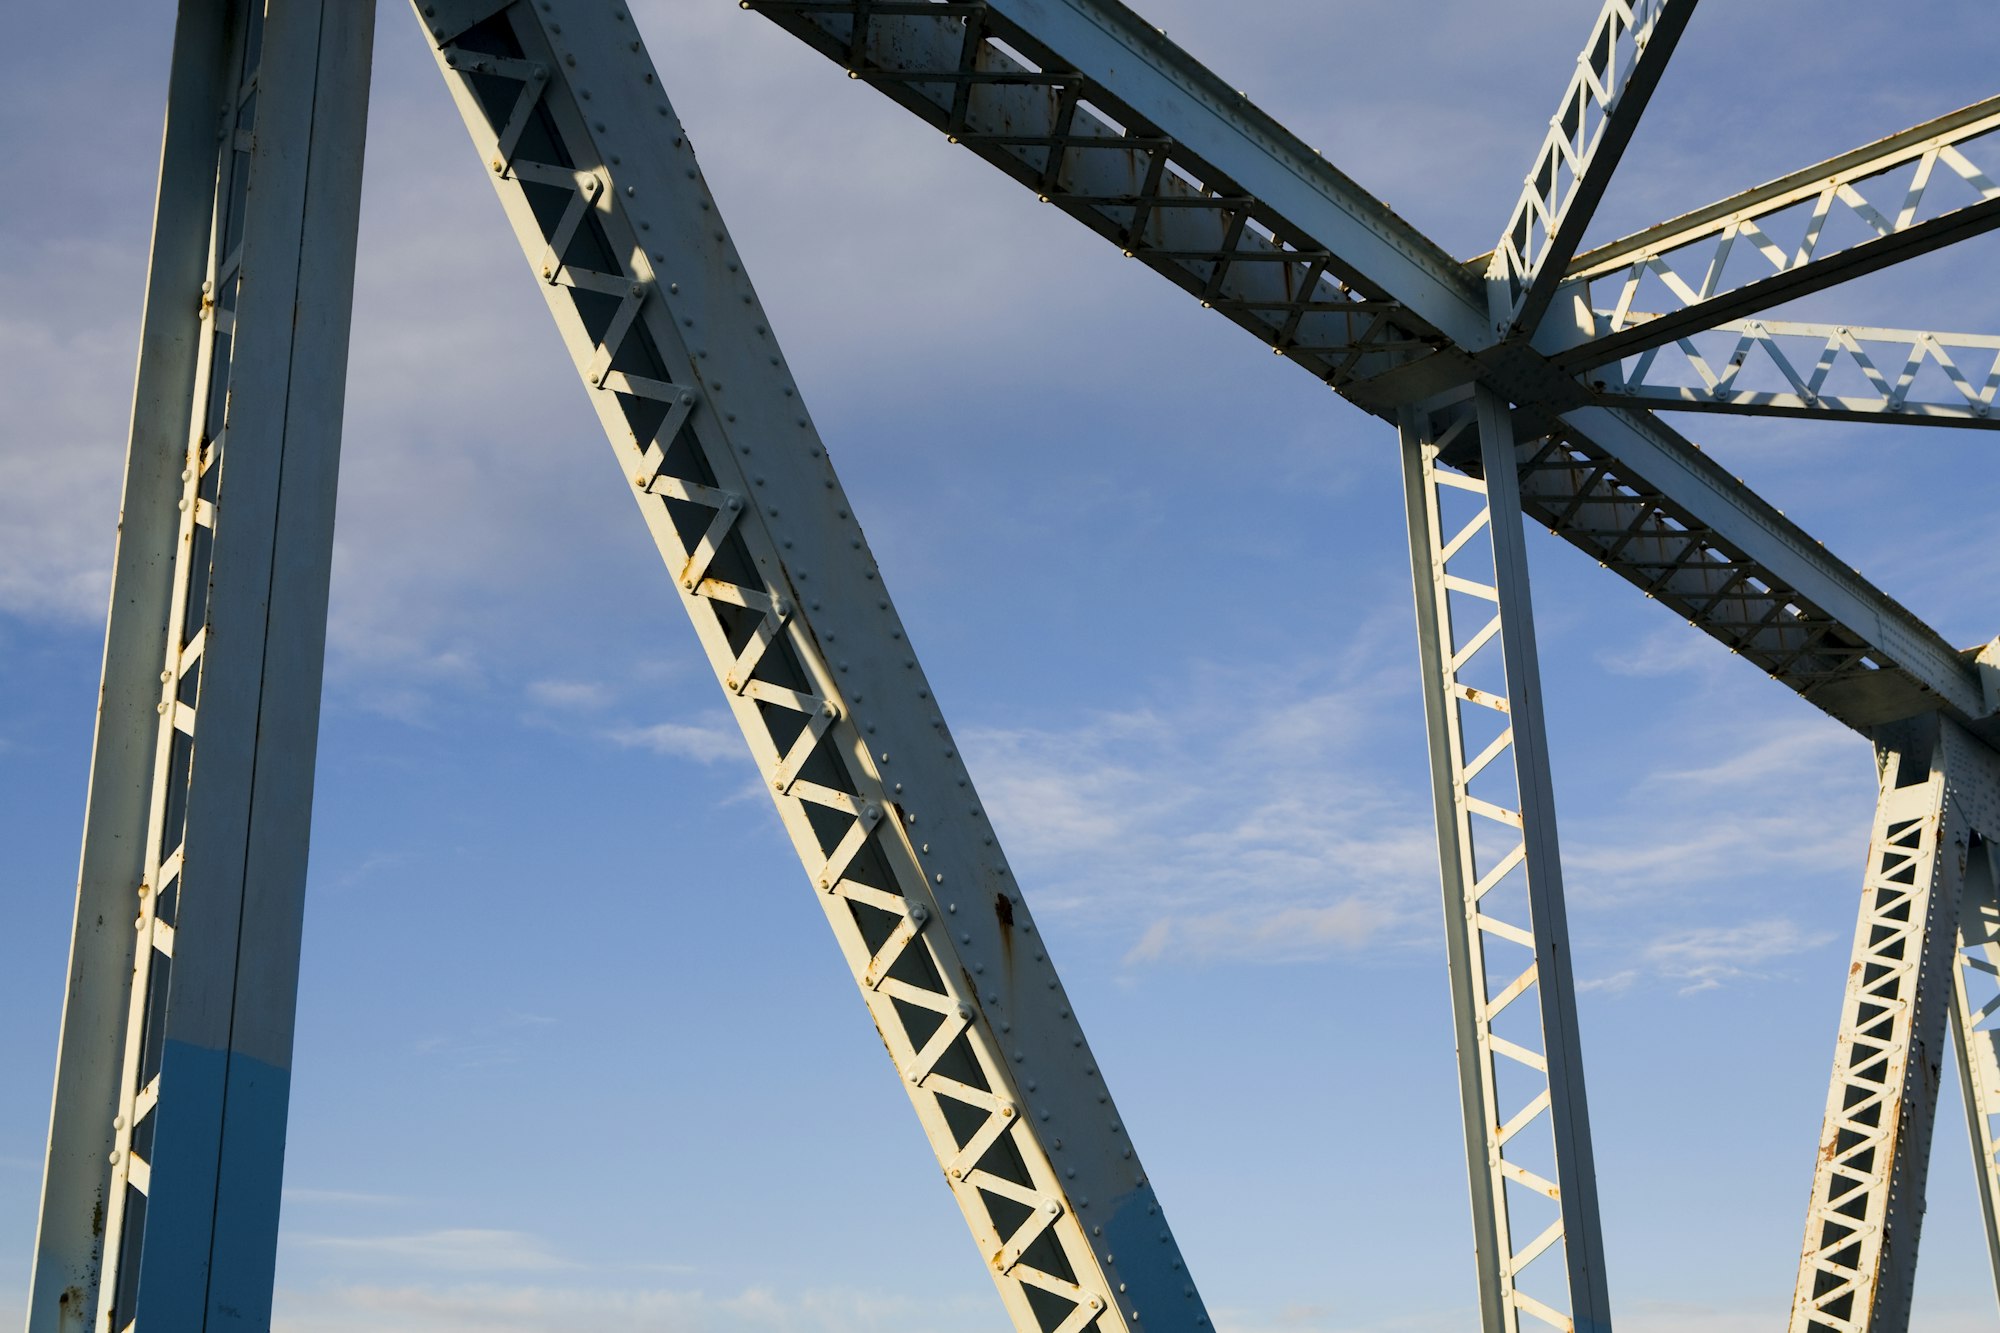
x=999 y=75
x=167 y=1135
x=1245 y=214
x=1865 y=1214
x=1785 y=604
x=676 y=354
x=1975 y=1025
x=1905 y=195
x=1615 y=76
x=1839 y=372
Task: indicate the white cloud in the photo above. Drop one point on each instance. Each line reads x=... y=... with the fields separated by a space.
x=479 y=1307
x=459 y=1249
x=304 y=1194
x=1288 y=935
x=1788 y=800
x=1235 y=819
x=1706 y=957
x=577 y=695
x=703 y=744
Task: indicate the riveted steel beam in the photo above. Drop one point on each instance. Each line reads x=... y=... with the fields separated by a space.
x=1084 y=103
x=1863 y=1223
x=1098 y=113
x=602 y=189
x=1668 y=518
x=1616 y=73
x=1905 y=195
x=1538 y=1247
x=168 y=1130
x=1975 y=1026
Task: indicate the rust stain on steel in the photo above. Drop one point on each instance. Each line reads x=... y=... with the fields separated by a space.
x=1493 y=701
x=1003 y=912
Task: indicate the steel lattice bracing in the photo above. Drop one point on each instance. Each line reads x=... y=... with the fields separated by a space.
x=1539 y=1249
x=1520 y=382
x=603 y=192
x=1099 y=114
x=1837 y=371
x=1616 y=73
x=1866 y=1214
x=1906 y=195
x=1975 y=1027
x=167 y=1136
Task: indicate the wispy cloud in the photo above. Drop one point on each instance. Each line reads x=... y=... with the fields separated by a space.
x=358 y=1198
x=1705 y=958
x=497 y=1041
x=569 y=695
x=477 y=1307
x=1788 y=799
x=703 y=744
x=457 y=1250
x=1231 y=819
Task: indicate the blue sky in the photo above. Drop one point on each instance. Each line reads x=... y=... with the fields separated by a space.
x=573 y=1046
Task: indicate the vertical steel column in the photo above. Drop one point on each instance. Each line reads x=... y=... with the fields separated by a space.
x=1866 y=1210
x=676 y=355
x=1527 y=1130
x=1975 y=1027
x=167 y=1131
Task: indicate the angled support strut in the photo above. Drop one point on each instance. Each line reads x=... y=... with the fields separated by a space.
x=1856 y=1267
x=166 y=1145
x=1615 y=76
x=601 y=187
x=1527 y=1129
x=1975 y=1026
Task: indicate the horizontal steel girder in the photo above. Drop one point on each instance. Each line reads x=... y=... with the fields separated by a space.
x=1099 y=114
x=1905 y=195
x=1841 y=372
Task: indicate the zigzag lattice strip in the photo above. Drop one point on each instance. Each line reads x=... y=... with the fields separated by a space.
x=1802 y=367
x=159 y=893
x=831 y=801
x=1849 y=1219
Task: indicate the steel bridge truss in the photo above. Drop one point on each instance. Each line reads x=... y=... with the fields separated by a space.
x=1521 y=383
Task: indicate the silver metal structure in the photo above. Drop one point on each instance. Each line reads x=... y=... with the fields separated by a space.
x=1521 y=383
x=1534 y=1190
x=167 y=1135
x=1860 y=1253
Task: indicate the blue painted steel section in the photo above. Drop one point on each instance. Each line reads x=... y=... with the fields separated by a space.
x=219 y=1277
x=1148 y=1260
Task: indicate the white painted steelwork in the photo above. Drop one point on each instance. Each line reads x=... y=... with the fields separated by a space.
x=1099 y=114
x=604 y=194
x=1841 y=218
x=1616 y=73
x=221 y=593
x=1975 y=1026
x=1866 y=1213
x=1537 y=1239
x=1842 y=372
x=1516 y=386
